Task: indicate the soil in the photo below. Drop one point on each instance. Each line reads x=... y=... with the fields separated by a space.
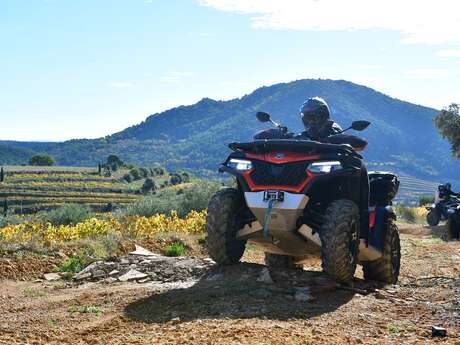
x=232 y=306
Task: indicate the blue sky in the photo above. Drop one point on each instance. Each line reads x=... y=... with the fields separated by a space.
x=85 y=69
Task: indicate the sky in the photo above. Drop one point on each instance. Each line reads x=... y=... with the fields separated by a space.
x=89 y=68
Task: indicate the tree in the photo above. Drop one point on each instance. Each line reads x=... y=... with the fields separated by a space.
x=2 y=175
x=41 y=160
x=148 y=186
x=115 y=160
x=448 y=124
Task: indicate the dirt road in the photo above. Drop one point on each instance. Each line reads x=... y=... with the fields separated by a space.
x=231 y=307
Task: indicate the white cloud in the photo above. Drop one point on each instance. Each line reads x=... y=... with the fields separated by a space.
x=419 y=21
x=428 y=73
x=120 y=84
x=175 y=77
x=449 y=53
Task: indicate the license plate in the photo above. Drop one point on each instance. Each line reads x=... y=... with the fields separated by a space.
x=276 y=195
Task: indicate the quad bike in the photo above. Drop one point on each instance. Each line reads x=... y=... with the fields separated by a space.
x=299 y=198
x=453 y=221
x=439 y=211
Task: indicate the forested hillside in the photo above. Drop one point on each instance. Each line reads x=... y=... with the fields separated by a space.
x=401 y=138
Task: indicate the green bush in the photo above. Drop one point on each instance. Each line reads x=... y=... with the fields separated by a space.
x=175 y=249
x=406 y=213
x=41 y=160
x=425 y=200
x=194 y=198
x=8 y=219
x=67 y=215
x=148 y=186
x=143 y=172
x=73 y=264
x=135 y=174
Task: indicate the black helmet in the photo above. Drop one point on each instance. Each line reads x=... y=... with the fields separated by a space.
x=314 y=112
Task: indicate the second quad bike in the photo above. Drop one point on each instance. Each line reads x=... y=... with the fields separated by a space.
x=439 y=211
x=297 y=198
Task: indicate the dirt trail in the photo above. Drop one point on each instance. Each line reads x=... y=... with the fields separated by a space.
x=231 y=307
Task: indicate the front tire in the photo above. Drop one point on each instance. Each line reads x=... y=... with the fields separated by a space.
x=433 y=218
x=222 y=225
x=386 y=268
x=340 y=240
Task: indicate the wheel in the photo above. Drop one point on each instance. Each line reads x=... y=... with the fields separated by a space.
x=453 y=229
x=433 y=217
x=222 y=225
x=386 y=268
x=340 y=240
x=279 y=262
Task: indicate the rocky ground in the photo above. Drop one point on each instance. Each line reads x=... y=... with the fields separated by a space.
x=146 y=298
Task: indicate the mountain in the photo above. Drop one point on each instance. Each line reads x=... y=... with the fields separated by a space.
x=401 y=138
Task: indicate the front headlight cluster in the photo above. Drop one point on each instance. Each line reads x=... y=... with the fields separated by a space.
x=239 y=164
x=324 y=167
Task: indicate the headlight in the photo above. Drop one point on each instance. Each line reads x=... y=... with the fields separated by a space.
x=239 y=164
x=324 y=167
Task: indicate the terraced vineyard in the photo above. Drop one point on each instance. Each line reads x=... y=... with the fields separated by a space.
x=411 y=188
x=28 y=189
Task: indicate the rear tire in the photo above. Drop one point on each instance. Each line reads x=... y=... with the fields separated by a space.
x=433 y=218
x=386 y=269
x=280 y=262
x=222 y=226
x=453 y=229
x=340 y=240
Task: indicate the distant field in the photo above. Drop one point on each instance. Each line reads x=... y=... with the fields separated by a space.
x=29 y=189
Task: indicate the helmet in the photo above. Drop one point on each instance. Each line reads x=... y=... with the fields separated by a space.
x=314 y=112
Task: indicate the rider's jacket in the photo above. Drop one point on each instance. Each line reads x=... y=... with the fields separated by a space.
x=445 y=194
x=319 y=132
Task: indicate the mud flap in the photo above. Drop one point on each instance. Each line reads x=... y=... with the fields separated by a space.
x=378 y=232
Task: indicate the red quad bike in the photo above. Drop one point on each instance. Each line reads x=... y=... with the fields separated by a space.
x=298 y=198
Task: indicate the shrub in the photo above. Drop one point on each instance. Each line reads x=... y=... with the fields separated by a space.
x=194 y=198
x=406 y=213
x=41 y=160
x=425 y=200
x=148 y=186
x=175 y=249
x=143 y=172
x=67 y=215
x=135 y=174
x=73 y=264
x=175 y=179
x=9 y=219
x=128 y=178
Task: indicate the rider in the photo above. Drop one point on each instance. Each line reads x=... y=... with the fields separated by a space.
x=446 y=192
x=316 y=118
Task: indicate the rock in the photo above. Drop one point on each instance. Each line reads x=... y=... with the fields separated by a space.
x=145 y=280
x=82 y=275
x=437 y=331
x=264 y=277
x=52 y=276
x=98 y=274
x=175 y=320
x=302 y=294
x=113 y=273
x=132 y=275
x=124 y=261
x=141 y=251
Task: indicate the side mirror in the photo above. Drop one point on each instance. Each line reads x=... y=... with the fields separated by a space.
x=263 y=117
x=360 y=125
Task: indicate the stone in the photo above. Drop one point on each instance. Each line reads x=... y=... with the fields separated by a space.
x=82 y=275
x=98 y=274
x=264 y=277
x=437 y=331
x=302 y=294
x=141 y=251
x=51 y=276
x=132 y=275
x=113 y=273
x=215 y=277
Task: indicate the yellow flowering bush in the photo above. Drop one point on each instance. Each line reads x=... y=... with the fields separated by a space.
x=132 y=226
